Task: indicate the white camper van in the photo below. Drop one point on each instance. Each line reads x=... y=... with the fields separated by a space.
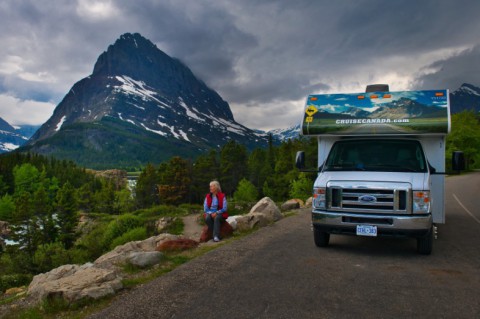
x=381 y=158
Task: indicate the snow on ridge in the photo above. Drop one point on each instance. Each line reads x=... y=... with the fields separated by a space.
x=138 y=88
x=180 y=135
x=59 y=125
x=230 y=126
x=184 y=135
x=470 y=90
x=154 y=131
x=189 y=112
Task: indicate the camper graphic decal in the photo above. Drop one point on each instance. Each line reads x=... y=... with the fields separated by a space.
x=379 y=113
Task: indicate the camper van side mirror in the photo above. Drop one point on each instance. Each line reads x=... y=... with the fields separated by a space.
x=300 y=160
x=458 y=161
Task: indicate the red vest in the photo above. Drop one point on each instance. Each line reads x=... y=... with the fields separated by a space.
x=220 y=197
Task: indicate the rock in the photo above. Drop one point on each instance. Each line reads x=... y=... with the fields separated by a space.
x=144 y=259
x=74 y=282
x=118 y=177
x=309 y=201
x=162 y=223
x=225 y=231
x=177 y=245
x=15 y=291
x=232 y=220
x=267 y=207
x=291 y=204
x=120 y=254
x=252 y=220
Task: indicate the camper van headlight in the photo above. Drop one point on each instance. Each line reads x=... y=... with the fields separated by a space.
x=421 y=202
x=319 y=199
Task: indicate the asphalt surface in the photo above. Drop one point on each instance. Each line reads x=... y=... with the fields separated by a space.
x=278 y=272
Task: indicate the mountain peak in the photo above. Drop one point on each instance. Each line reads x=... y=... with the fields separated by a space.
x=131 y=55
x=137 y=87
x=467 y=88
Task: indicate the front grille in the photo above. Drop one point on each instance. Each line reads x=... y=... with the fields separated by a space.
x=394 y=199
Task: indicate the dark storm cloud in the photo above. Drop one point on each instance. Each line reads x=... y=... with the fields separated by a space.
x=453 y=72
x=252 y=52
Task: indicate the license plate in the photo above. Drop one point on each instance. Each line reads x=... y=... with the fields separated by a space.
x=366 y=230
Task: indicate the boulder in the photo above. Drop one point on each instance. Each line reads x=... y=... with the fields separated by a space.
x=177 y=245
x=252 y=220
x=291 y=204
x=144 y=259
x=225 y=231
x=267 y=207
x=121 y=254
x=308 y=202
x=74 y=282
x=232 y=220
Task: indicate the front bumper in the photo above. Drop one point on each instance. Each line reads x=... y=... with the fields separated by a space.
x=387 y=225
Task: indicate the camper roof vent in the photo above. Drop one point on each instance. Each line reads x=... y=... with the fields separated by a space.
x=377 y=88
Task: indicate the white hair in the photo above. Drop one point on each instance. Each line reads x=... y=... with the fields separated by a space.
x=217 y=185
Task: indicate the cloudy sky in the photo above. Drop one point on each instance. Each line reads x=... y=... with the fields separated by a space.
x=262 y=56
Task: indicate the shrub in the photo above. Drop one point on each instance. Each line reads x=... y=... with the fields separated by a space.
x=120 y=226
x=175 y=227
x=301 y=188
x=15 y=280
x=246 y=192
x=91 y=243
x=138 y=233
x=50 y=256
x=160 y=210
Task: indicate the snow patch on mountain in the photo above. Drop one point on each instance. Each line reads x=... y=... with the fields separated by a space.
x=154 y=131
x=59 y=125
x=188 y=111
x=7 y=147
x=137 y=88
x=468 y=90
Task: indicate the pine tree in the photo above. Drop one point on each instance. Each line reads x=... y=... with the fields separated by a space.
x=66 y=209
x=205 y=169
x=146 y=190
x=233 y=166
x=42 y=210
x=258 y=168
x=465 y=136
x=174 y=182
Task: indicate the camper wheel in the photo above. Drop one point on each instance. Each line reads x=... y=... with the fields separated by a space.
x=425 y=243
x=321 y=238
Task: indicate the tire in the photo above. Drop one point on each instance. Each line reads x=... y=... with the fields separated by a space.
x=425 y=243
x=321 y=238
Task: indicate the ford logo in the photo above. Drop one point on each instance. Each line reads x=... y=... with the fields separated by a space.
x=367 y=199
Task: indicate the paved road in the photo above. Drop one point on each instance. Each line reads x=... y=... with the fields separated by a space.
x=277 y=272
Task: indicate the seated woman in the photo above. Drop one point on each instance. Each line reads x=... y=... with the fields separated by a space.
x=215 y=209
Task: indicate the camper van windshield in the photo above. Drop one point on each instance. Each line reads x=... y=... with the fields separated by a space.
x=376 y=155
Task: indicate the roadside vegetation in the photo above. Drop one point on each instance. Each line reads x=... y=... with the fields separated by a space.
x=59 y=213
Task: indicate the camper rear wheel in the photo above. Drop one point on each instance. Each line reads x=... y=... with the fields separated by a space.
x=425 y=243
x=321 y=238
